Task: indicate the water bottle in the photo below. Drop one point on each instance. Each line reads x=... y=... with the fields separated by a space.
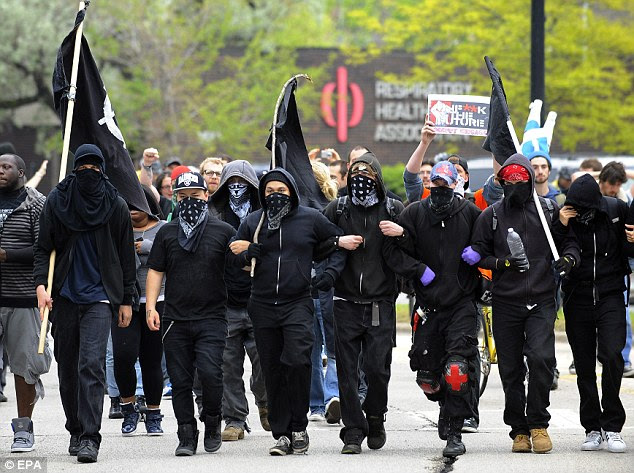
x=516 y=246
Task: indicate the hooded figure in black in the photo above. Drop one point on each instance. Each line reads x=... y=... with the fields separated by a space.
x=281 y=306
x=432 y=235
x=364 y=302
x=88 y=225
x=594 y=307
x=524 y=288
x=236 y=197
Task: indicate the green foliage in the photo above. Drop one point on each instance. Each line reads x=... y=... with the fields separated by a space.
x=393 y=179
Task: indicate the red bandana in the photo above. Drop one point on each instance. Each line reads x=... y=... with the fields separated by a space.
x=514 y=172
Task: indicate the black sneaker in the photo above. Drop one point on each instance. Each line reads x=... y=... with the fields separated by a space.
x=115 y=409
x=187 y=440
x=282 y=447
x=73 y=446
x=352 y=440
x=376 y=432
x=333 y=411
x=469 y=426
x=213 y=434
x=300 y=441
x=88 y=451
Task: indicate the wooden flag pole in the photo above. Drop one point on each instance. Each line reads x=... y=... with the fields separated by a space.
x=62 y=170
x=273 y=143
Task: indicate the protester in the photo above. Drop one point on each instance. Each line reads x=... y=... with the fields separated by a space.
x=171 y=164
x=435 y=234
x=356 y=152
x=611 y=178
x=417 y=170
x=595 y=310
x=280 y=304
x=20 y=208
x=211 y=169
x=364 y=303
x=338 y=173
x=564 y=180
x=137 y=340
x=163 y=184
x=88 y=225
x=236 y=197
x=190 y=252
x=523 y=300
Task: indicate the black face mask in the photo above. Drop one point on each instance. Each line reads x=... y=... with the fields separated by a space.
x=89 y=182
x=440 y=198
x=278 y=205
x=364 y=191
x=585 y=216
x=518 y=194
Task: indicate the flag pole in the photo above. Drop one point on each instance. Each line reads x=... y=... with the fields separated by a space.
x=63 y=164
x=273 y=143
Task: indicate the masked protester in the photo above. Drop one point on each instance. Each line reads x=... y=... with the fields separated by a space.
x=433 y=234
x=364 y=309
x=237 y=197
x=594 y=308
x=190 y=252
x=280 y=305
x=88 y=225
x=523 y=299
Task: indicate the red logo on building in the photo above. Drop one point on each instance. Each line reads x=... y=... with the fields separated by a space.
x=342 y=122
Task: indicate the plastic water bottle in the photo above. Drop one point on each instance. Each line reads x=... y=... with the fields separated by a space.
x=516 y=246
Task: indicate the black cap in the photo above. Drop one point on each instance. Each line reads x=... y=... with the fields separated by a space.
x=89 y=154
x=190 y=180
x=455 y=159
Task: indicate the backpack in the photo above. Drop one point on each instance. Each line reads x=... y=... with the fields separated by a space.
x=549 y=207
x=342 y=203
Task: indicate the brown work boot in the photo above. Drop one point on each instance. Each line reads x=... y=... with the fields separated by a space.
x=232 y=433
x=521 y=444
x=541 y=441
x=264 y=418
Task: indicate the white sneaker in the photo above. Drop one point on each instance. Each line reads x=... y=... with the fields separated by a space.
x=317 y=417
x=594 y=441
x=616 y=444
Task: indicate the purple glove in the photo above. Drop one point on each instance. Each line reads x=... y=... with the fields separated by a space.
x=427 y=277
x=470 y=256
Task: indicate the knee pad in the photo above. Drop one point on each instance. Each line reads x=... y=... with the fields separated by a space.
x=456 y=375
x=428 y=381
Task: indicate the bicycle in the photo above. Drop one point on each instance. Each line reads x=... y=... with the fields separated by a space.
x=486 y=345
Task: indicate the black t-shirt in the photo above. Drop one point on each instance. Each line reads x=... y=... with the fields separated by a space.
x=194 y=282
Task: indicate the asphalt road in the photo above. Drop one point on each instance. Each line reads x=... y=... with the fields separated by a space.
x=412 y=443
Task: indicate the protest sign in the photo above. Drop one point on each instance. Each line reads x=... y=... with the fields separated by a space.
x=459 y=114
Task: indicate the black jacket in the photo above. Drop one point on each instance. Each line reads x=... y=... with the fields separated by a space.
x=538 y=284
x=283 y=271
x=603 y=266
x=368 y=275
x=438 y=245
x=115 y=248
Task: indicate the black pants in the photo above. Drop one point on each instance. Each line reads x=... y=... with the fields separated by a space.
x=437 y=337
x=284 y=338
x=191 y=346
x=590 y=327
x=138 y=341
x=353 y=333
x=81 y=336
x=520 y=332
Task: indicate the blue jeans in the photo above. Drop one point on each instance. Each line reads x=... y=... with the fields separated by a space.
x=323 y=387
x=113 y=390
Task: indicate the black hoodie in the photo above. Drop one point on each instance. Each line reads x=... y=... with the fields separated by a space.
x=538 y=284
x=603 y=262
x=368 y=275
x=283 y=271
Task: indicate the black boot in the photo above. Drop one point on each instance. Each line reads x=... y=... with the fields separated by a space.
x=376 y=432
x=454 y=446
x=443 y=426
x=213 y=436
x=187 y=440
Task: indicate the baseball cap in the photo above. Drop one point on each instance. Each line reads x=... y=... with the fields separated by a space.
x=455 y=159
x=173 y=161
x=190 y=180
x=444 y=170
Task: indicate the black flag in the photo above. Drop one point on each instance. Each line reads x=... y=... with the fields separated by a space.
x=498 y=140
x=290 y=149
x=94 y=119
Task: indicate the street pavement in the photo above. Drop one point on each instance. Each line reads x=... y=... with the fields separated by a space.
x=412 y=441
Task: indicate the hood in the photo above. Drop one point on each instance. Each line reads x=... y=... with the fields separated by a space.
x=32 y=196
x=372 y=161
x=584 y=192
x=520 y=159
x=239 y=168
x=87 y=150
x=279 y=174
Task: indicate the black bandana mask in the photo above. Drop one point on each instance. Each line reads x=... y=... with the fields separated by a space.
x=278 y=205
x=192 y=216
x=518 y=194
x=586 y=216
x=364 y=191
x=89 y=182
x=239 y=199
x=440 y=198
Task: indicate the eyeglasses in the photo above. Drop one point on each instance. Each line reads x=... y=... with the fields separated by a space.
x=212 y=173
